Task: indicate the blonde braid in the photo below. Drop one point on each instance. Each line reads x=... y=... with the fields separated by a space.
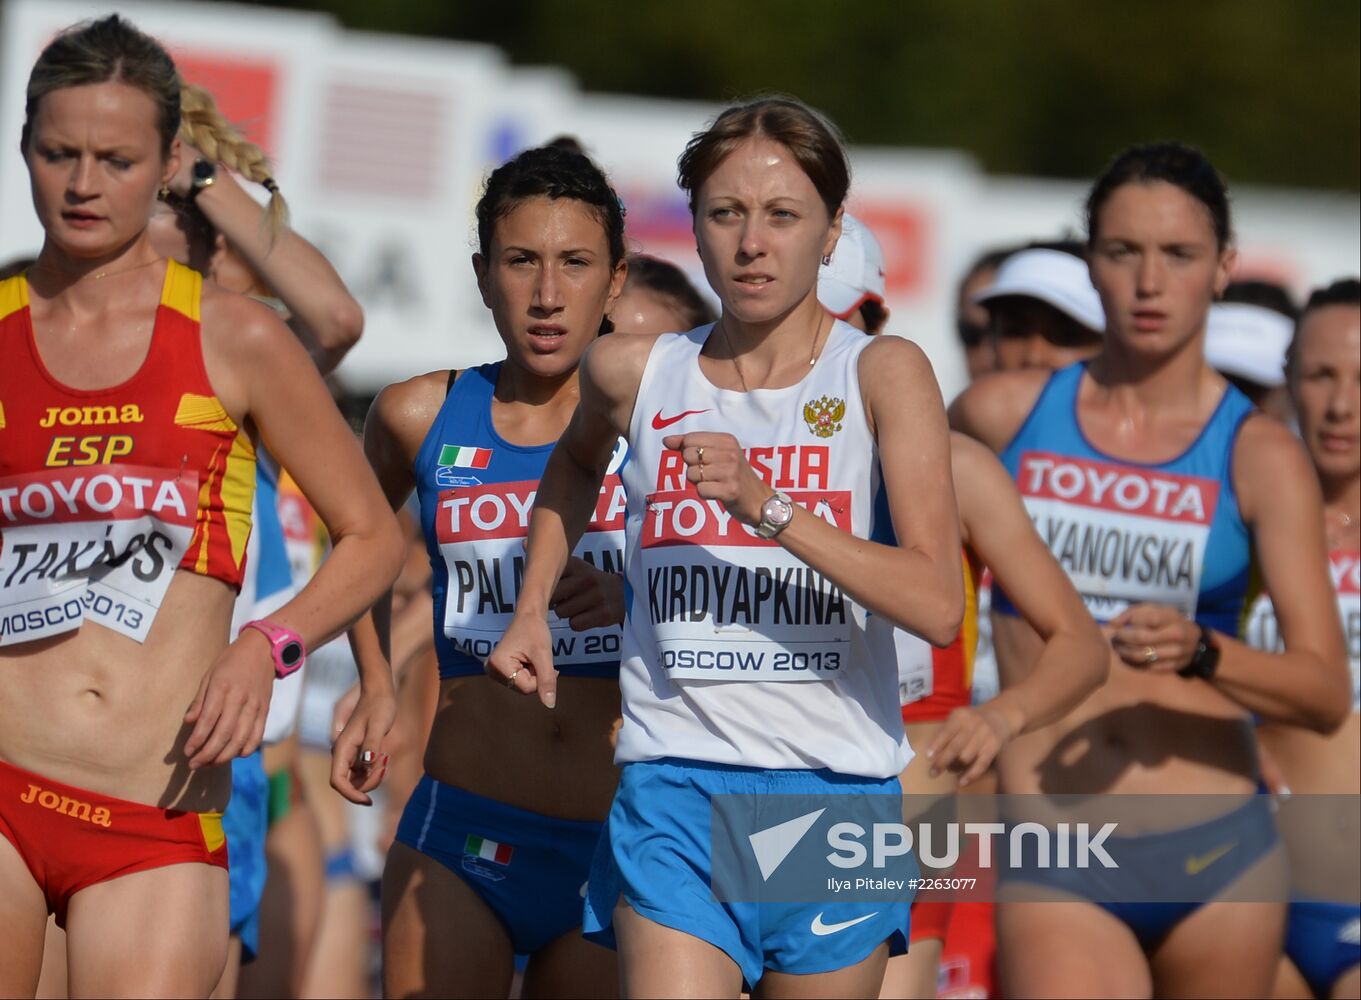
x=203 y=126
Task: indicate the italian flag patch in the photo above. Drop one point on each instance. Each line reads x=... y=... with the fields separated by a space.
x=488 y=850
x=462 y=456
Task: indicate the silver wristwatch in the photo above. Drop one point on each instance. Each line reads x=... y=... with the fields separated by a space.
x=776 y=513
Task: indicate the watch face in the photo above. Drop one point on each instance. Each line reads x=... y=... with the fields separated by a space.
x=204 y=170
x=290 y=654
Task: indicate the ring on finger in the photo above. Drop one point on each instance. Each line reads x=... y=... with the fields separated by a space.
x=700 y=458
x=367 y=757
x=1150 y=655
x=510 y=681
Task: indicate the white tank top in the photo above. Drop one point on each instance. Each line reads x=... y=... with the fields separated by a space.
x=735 y=651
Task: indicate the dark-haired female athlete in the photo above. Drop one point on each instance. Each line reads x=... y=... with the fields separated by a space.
x=1156 y=486
x=494 y=848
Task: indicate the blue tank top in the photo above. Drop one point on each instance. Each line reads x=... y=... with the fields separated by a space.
x=476 y=492
x=1128 y=533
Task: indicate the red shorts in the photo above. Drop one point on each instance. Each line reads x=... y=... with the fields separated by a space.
x=71 y=838
x=930 y=918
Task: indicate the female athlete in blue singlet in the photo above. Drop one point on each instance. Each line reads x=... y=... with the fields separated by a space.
x=757 y=448
x=1323 y=375
x=494 y=847
x=1155 y=485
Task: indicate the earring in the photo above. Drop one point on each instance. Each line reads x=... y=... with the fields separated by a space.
x=826 y=260
x=164 y=193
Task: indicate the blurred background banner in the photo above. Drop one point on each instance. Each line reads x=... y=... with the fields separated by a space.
x=382 y=140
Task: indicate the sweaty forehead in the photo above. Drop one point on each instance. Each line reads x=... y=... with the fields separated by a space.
x=1333 y=330
x=551 y=224
x=109 y=113
x=759 y=170
x=1156 y=210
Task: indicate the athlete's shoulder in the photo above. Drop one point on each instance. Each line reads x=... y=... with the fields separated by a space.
x=974 y=463
x=237 y=324
x=984 y=492
x=405 y=410
x=614 y=363
x=995 y=406
x=1266 y=455
x=889 y=365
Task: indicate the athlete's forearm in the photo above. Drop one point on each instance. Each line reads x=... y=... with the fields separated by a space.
x=325 y=316
x=1295 y=687
x=369 y=642
x=1071 y=666
x=563 y=505
x=359 y=571
x=905 y=585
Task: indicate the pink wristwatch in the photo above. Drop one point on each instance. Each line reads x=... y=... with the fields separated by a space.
x=285 y=644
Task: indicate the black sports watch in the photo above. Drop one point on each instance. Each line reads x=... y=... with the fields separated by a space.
x=205 y=173
x=1206 y=658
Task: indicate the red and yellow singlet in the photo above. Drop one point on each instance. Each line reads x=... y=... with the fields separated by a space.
x=105 y=492
x=932 y=682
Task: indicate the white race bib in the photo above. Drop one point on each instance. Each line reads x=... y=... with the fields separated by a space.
x=1124 y=535
x=481 y=532
x=100 y=542
x=740 y=608
x=1262 y=631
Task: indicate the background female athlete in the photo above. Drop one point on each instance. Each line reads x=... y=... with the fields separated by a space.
x=1323 y=369
x=1148 y=443
x=495 y=844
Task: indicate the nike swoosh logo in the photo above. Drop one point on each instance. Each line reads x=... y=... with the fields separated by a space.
x=660 y=423
x=1195 y=865
x=822 y=930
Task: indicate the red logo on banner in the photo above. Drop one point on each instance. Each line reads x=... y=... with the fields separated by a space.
x=903 y=232
x=245 y=89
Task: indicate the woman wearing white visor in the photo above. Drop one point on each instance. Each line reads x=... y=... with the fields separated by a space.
x=1043 y=311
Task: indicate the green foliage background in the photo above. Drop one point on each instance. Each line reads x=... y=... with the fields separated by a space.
x=1271 y=89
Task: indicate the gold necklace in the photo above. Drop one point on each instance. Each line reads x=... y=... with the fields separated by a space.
x=812 y=352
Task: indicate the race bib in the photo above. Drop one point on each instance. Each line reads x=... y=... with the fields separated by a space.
x=99 y=543
x=1261 y=630
x=913 y=654
x=481 y=532
x=740 y=608
x=1124 y=535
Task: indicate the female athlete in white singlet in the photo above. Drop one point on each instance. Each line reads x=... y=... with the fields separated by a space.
x=757 y=447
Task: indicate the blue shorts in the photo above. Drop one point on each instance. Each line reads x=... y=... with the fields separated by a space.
x=245 y=822
x=656 y=854
x=1191 y=866
x=529 y=869
x=1324 y=941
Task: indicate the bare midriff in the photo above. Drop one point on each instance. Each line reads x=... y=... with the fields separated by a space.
x=1140 y=733
x=506 y=746
x=100 y=711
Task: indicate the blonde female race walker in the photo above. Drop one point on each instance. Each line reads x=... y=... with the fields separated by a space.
x=133 y=396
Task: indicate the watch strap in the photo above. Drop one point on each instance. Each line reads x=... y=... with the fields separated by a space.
x=1205 y=660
